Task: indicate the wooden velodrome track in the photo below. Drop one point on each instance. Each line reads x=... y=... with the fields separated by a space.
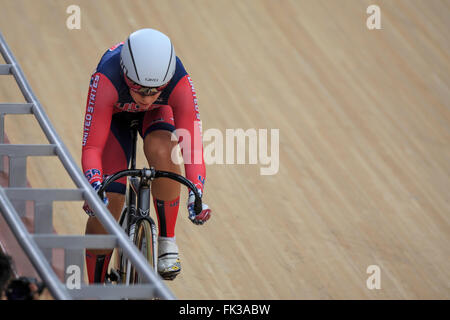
x=364 y=131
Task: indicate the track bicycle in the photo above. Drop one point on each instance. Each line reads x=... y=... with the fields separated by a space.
x=135 y=218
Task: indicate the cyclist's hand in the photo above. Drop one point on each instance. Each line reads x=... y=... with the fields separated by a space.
x=203 y=216
x=96 y=185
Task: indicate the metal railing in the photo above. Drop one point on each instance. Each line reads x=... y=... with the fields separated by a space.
x=38 y=246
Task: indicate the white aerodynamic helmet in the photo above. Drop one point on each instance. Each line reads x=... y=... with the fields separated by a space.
x=148 y=58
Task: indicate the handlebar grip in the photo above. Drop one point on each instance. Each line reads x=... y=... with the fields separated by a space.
x=198 y=205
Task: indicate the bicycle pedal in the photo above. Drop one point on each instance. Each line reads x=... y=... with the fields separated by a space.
x=113 y=276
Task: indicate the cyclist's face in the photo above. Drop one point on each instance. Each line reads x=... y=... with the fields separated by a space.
x=143 y=100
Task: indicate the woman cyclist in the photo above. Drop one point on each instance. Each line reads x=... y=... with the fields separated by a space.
x=142 y=79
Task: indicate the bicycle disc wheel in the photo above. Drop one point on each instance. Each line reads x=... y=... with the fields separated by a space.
x=144 y=242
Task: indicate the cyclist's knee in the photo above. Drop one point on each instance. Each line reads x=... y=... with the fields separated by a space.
x=158 y=147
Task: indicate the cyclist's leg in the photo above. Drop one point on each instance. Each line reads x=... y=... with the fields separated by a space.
x=115 y=158
x=94 y=226
x=157 y=131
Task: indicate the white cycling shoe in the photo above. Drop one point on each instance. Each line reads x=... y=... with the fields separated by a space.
x=169 y=265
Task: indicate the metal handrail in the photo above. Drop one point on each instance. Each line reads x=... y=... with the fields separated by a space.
x=31 y=249
x=80 y=181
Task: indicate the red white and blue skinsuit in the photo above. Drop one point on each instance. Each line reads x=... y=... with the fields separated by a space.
x=106 y=144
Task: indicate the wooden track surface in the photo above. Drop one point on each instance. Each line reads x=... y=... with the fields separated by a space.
x=364 y=131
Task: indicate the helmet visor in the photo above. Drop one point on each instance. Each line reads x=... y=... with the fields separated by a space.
x=145 y=91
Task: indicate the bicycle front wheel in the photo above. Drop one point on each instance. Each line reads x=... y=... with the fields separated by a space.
x=145 y=241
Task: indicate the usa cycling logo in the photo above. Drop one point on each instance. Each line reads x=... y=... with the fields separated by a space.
x=93 y=174
x=133 y=107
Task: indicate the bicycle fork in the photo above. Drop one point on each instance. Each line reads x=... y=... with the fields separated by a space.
x=144 y=205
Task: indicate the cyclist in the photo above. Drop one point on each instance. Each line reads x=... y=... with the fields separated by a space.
x=142 y=79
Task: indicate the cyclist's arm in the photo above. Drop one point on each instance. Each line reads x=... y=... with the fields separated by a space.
x=186 y=115
x=97 y=120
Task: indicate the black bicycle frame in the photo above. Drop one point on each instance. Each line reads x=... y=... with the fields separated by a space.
x=139 y=187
